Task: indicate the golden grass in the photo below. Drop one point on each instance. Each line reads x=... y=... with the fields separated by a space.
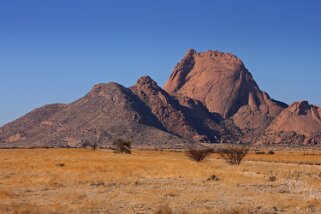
x=6 y=194
x=82 y=181
x=301 y=157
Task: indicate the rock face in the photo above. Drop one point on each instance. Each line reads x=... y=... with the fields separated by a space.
x=209 y=97
x=183 y=117
x=218 y=80
x=300 y=118
x=167 y=109
x=222 y=83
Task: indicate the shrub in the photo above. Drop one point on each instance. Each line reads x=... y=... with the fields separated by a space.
x=272 y=178
x=60 y=164
x=213 y=178
x=197 y=154
x=234 y=154
x=271 y=152
x=122 y=146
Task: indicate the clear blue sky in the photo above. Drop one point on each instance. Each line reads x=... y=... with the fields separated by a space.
x=56 y=50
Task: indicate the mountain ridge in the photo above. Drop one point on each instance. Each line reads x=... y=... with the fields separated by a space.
x=209 y=97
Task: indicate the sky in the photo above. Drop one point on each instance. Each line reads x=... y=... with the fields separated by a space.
x=54 y=51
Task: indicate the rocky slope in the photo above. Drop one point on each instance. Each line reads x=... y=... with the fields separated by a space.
x=184 y=117
x=209 y=97
x=300 y=120
x=107 y=112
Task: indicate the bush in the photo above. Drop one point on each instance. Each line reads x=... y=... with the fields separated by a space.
x=271 y=152
x=122 y=146
x=197 y=154
x=234 y=154
x=213 y=178
x=272 y=178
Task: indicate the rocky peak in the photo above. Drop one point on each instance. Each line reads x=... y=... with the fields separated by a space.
x=300 y=107
x=305 y=109
x=219 y=80
x=147 y=88
x=190 y=52
x=300 y=117
x=146 y=83
x=106 y=86
x=146 y=80
x=222 y=57
x=181 y=70
x=108 y=90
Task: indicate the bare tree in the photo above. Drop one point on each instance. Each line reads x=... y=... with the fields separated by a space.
x=198 y=154
x=234 y=154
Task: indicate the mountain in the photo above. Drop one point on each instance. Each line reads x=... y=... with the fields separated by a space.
x=223 y=84
x=109 y=111
x=299 y=123
x=209 y=97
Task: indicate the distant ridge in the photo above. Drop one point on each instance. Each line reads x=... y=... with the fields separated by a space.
x=210 y=97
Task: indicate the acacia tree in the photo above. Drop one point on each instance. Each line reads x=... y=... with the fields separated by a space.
x=234 y=154
x=198 y=154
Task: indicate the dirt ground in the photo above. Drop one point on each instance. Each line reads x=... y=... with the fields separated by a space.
x=86 y=181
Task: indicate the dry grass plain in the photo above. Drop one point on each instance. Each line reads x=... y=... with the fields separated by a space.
x=85 y=181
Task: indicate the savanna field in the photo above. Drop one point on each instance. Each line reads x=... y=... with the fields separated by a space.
x=86 y=181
